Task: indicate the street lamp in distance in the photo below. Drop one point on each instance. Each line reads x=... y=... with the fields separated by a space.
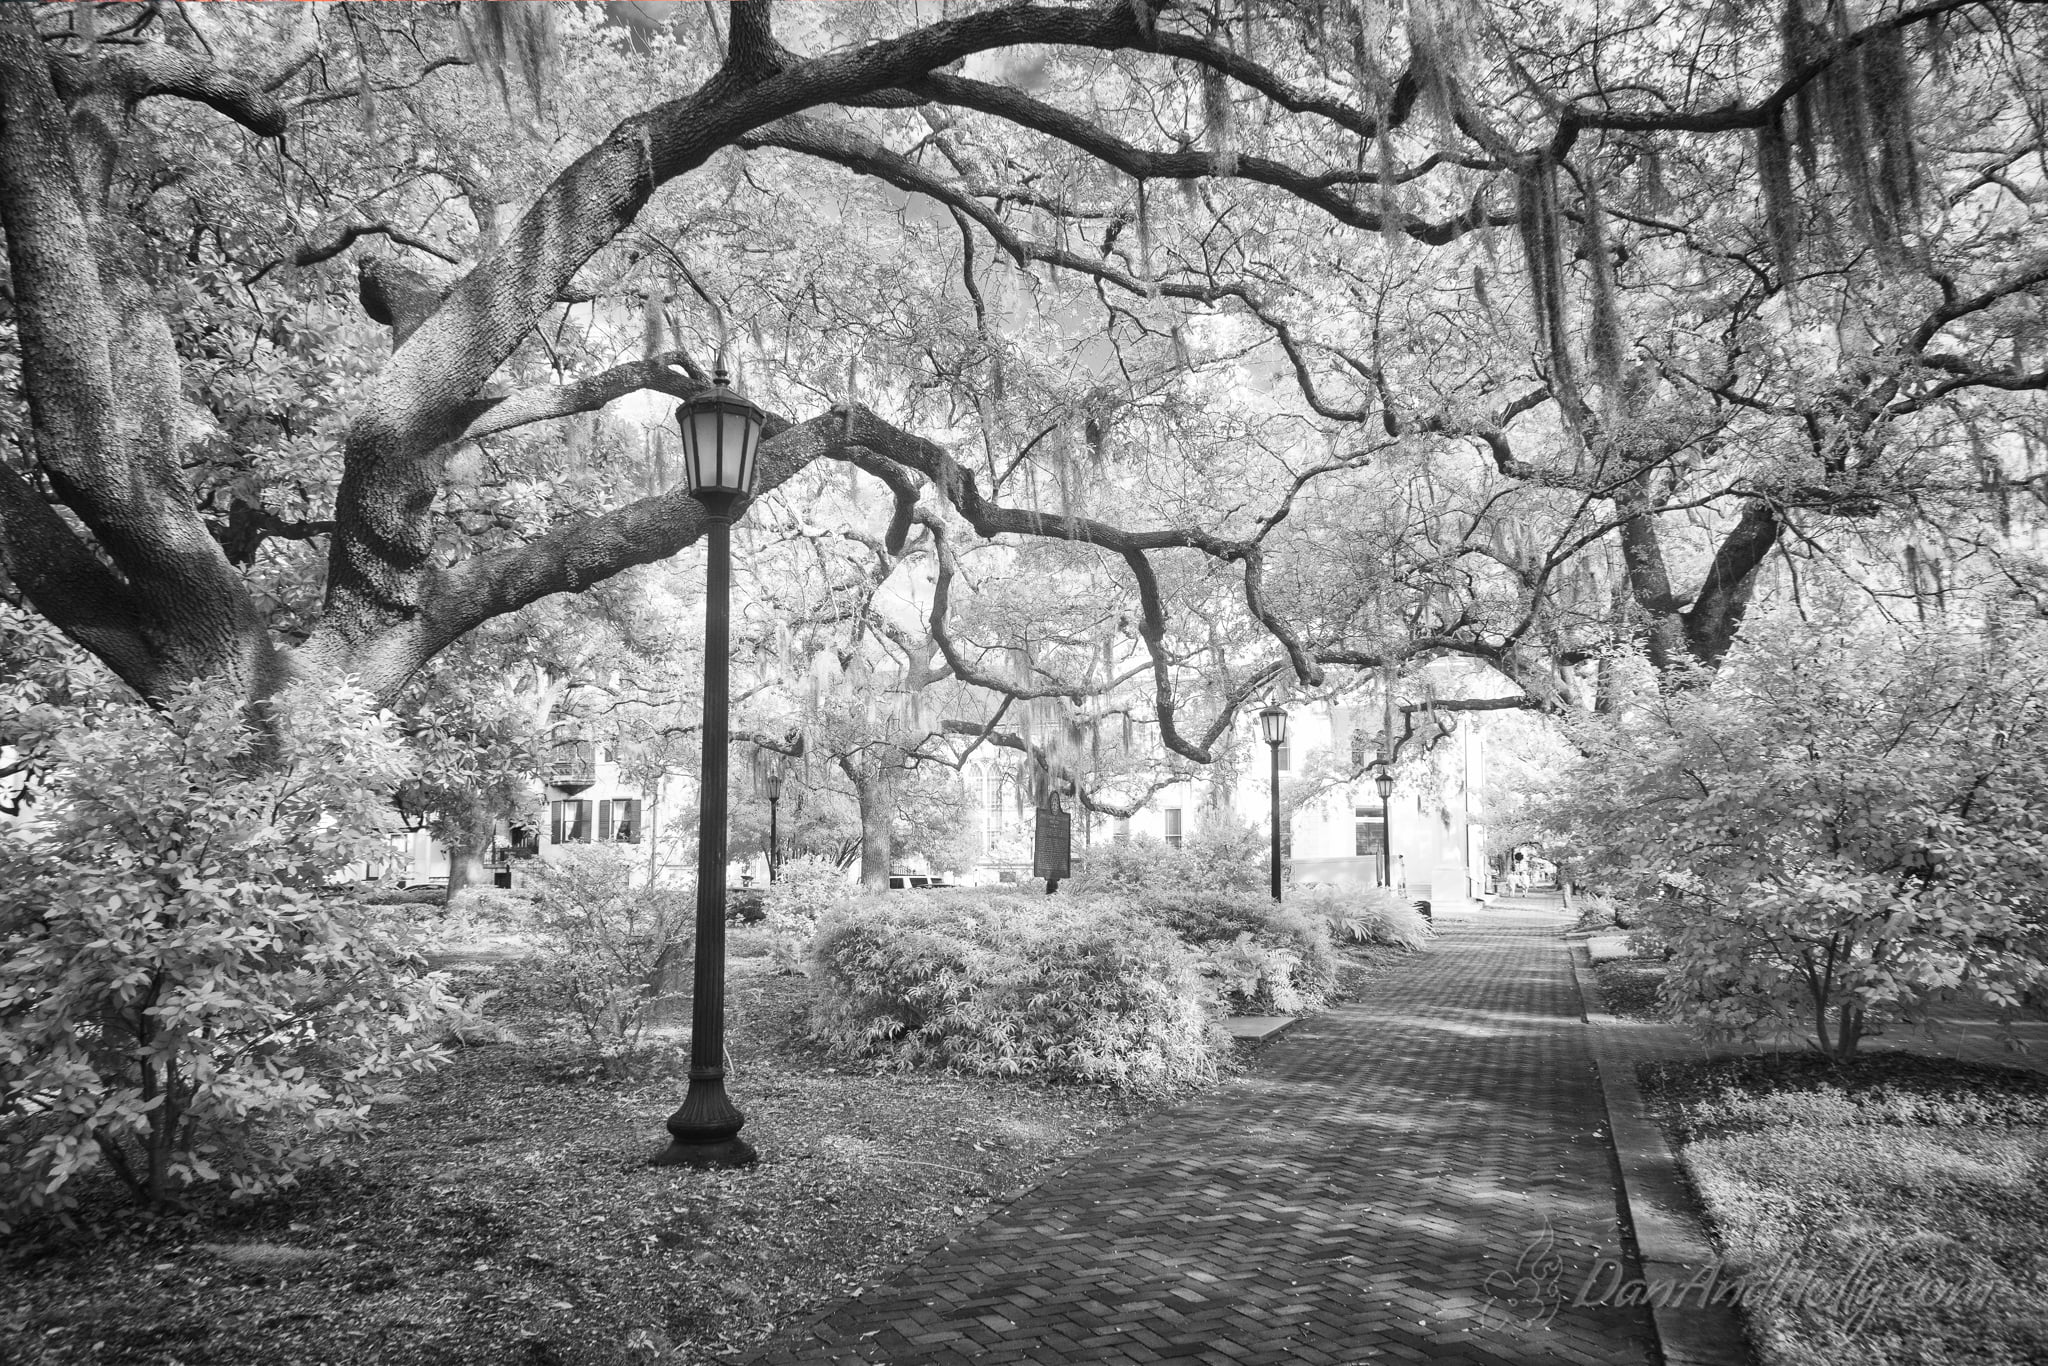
x=1273 y=725
x=1384 y=781
x=721 y=437
x=774 y=797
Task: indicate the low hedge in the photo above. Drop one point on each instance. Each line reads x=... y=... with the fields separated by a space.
x=1264 y=957
x=1366 y=915
x=1079 y=990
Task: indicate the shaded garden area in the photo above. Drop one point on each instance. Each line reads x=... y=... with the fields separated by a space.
x=1618 y=430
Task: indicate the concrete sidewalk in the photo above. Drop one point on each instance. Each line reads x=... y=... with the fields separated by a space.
x=1421 y=1177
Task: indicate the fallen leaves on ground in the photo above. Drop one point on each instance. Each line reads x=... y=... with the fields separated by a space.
x=502 y=1210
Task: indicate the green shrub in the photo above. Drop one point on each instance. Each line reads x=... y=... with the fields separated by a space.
x=1596 y=911
x=1257 y=978
x=804 y=889
x=609 y=952
x=1076 y=990
x=1366 y=915
x=1843 y=830
x=182 y=996
x=1225 y=857
x=489 y=908
x=1263 y=957
x=1126 y=866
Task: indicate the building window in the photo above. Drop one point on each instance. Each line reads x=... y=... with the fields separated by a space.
x=569 y=821
x=619 y=819
x=1287 y=758
x=992 y=807
x=1370 y=830
x=1357 y=749
x=1173 y=826
x=1122 y=833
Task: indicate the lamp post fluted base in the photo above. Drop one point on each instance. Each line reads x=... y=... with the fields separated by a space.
x=731 y=1152
x=704 y=1131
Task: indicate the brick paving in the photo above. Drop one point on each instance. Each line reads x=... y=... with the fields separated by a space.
x=1371 y=1194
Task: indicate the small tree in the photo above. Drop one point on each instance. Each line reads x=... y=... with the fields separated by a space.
x=1845 y=828
x=610 y=950
x=182 y=995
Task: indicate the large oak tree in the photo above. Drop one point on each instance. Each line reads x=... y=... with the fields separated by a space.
x=1446 y=328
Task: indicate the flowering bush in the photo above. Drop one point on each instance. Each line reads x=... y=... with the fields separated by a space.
x=804 y=890
x=182 y=996
x=1069 y=990
x=1845 y=828
x=610 y=952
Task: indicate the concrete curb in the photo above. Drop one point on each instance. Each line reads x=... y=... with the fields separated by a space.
x=1671 y=1240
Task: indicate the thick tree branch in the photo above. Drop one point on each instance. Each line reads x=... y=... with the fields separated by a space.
x=67 y=583
x=152 y=69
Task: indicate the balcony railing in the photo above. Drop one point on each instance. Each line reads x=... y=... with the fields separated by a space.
x=573 y=767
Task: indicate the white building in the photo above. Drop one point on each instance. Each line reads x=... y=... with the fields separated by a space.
x=1337 y=824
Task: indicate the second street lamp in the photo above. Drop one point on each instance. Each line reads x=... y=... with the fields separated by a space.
x=1273 y=724
x=1384 y=781
x=774 y=796
x=721 y=435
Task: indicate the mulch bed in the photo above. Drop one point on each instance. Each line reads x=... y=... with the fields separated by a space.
x=1629 y=987
x=503 y=1212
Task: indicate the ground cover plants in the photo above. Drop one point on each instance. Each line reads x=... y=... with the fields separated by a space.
x=1884 y=1211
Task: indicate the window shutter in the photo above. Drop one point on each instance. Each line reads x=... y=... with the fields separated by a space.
x=554 y=822
x=604 y=821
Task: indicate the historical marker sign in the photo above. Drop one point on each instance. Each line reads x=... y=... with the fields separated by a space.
x=1052 y=845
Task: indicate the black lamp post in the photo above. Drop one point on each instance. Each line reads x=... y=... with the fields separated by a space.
x=721 y=433
x=774 y=796
x=1384 y=781
x=1273 y=722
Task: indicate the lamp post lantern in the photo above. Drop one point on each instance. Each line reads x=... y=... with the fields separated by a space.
x=774 y=796
x=1384 y=781
x=1273 y=723
x=721 y=436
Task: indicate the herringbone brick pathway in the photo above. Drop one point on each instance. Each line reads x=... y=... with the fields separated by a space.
x=1371 y=1194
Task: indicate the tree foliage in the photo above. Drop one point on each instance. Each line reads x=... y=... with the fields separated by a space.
x=1845 y=830
x=183 y=996
x=1322 y=338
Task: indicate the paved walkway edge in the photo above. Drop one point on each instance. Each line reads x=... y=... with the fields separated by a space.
x=1671 y=1239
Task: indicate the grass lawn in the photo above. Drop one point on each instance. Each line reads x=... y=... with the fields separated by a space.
x=502 y=1211
x=1894 y=1210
